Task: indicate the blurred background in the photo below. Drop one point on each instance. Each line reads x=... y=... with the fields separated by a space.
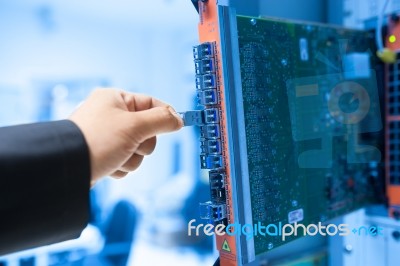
x=52 y=55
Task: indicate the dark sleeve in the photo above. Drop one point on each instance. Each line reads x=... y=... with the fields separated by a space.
x=44 y=184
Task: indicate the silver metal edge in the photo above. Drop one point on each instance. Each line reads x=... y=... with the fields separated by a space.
x=236 y=134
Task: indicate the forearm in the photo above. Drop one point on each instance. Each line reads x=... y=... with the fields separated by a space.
x=44 y=184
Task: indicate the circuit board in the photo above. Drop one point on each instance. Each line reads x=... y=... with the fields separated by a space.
x=301 y=161
x=290 y=122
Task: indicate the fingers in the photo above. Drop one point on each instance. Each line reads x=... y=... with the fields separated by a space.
x=139 y=102
x=151 y=122
x=147 y=147
x=119 y=174
x=132 y=164
x=150 y=116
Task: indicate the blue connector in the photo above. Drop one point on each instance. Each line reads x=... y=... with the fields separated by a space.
x=211 y=115
x=211 y=161
x=210 y=131
x=212 y=212
x=212 y=146
x=200 y=117
x=207 y=97
x=205 y=82
x=192 y=118
x=204 y=66
x=203 y=50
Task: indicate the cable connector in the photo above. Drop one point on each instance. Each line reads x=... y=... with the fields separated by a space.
x=200 y=117
x=192 y=118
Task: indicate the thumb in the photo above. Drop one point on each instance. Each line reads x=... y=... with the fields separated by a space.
x=151 y=122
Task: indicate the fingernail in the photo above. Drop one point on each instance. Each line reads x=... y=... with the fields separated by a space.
x=172 y=110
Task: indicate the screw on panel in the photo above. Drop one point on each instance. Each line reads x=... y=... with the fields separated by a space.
x=348 y=249
x=270 y=245
x=253 y=21
x=294 y=203
x=284 y=62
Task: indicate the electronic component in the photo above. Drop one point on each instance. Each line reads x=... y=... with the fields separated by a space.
x=203 y=50
x=386 y=54
x=210 y=143
x=211 y=131
x=212 y=212
x=200 y=117
x=210 y=146
x=207 y=97
x=272 y=79
x=204 y=82
x=217 y=180
x=217 y=186
x=211 y=161
x=218 y=195
x=392 y=136
x=289 y=91
x=211 y=115
x=204 y=66
x=192 y=118
x=211 y=138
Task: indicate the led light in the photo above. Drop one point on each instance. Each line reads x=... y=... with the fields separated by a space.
x=392 y=38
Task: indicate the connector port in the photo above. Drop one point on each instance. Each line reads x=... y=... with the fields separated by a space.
x=217 y=187
x=205 y=82
x=210 y=131
x=212 y=212
x=211 y=161
x=218 y=195
x=217 y=180
x=204 y=66
x=211 y=115
x=203 y=50
x=207 y=97
x=212 y=146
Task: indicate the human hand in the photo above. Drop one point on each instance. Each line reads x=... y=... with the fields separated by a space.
x=120 y=128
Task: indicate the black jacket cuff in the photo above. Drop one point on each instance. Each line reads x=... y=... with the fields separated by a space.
x=44 y=184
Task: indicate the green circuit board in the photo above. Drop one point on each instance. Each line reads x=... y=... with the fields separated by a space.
x=305 y=165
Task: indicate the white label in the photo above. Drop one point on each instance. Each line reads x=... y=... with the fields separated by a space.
x=357 y=66
x=304 y=49
x=296 y=216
